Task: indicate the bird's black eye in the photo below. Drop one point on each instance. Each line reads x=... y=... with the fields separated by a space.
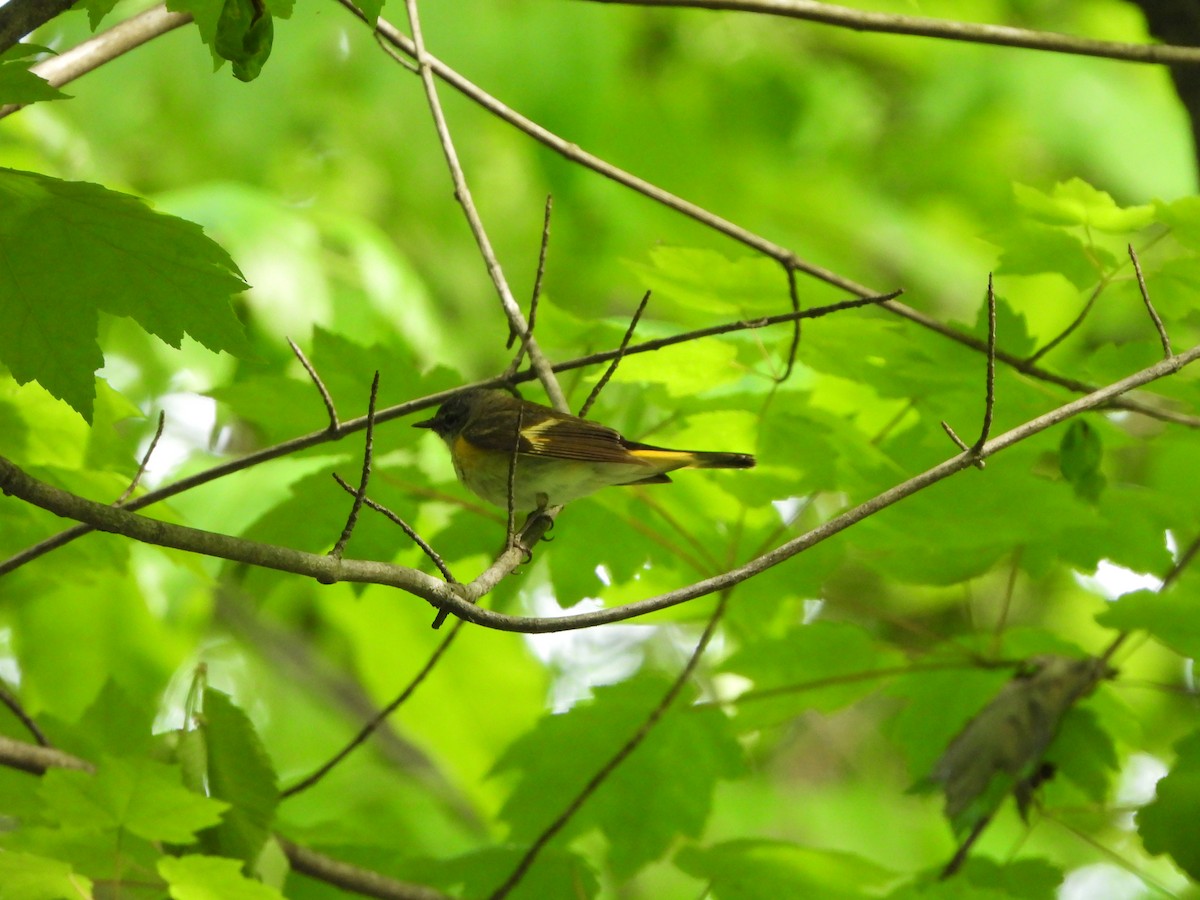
x=453 y=414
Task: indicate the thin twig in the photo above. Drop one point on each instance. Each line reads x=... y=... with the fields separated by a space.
x=616 y=360
x=989 y=404
x=990 y=392
x=364 y=478
x=574 y=153
x=102 y=48
x=14 y=706
x=370 y=727
x=953 y=435
x=1158 y=323
x=351 y=426
x=537 y=289
x=137 y=476
x=463 y=194
x=631 y=744
x=433 y=555
x=326 y=397
x=462 y=599
x=919 y=26
x=1072 y=326
x=794 y=297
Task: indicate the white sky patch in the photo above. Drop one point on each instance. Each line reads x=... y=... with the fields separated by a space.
x=189 y=424
x=1112 y=581
x=585 y=658
x=1102 y=881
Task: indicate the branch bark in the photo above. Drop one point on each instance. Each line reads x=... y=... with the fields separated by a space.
x=461 y=599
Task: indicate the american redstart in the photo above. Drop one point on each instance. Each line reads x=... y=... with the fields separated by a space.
x=559 y=457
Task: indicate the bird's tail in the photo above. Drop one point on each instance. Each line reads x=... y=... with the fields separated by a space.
x=695 y=459
x=709 y=459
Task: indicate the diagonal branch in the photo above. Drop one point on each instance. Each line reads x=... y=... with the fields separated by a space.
x=462 y=193
x=462 y=599
x=788 y=259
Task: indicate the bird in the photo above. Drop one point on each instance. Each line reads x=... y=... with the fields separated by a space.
x=559 y=457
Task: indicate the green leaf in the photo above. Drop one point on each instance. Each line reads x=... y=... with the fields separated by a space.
x=17 y=83
x=709 y=282
x=24 y=876
x=1079 y=457
x=1170 y=617
x=769 y=870
x=1167 y=824
x=1075 y=202
x=73 y=250
x=372 y=10
x=196 y=877
x=1183 y=217
x=141 y=796
x=553 y=761
x=97 y=10
x=245 y=32
x=240 y=773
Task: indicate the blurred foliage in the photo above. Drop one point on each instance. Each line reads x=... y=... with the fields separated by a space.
x=836 y=679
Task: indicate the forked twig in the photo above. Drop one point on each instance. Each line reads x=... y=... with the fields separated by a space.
x=326 y=397
x=537 y=291
x=616 y=360
x=361 y=493
x=433 y=555
x=1158 y=323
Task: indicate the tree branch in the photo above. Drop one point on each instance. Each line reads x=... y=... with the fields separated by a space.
x=920 y=26
x=463 y=194
x=790 y=261
x=461 y=599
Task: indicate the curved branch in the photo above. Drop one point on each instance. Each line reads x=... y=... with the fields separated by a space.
x=921 y=26
x=461 y=599
x=792 y=262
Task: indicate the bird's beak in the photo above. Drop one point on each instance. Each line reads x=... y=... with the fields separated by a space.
x=428 y=423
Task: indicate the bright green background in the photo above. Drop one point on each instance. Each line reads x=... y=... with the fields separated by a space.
x=896 y=162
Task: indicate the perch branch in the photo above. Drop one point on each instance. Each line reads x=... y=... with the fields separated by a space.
x=462 y=599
